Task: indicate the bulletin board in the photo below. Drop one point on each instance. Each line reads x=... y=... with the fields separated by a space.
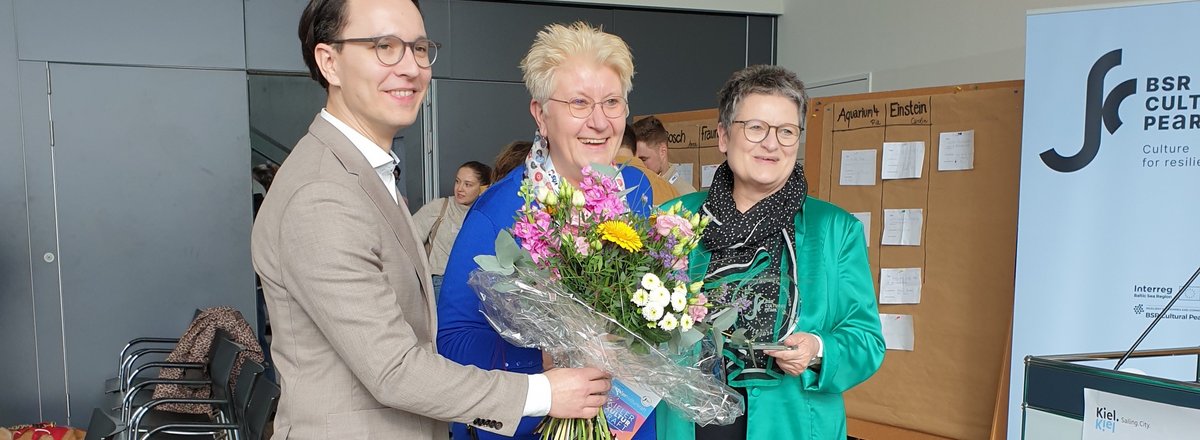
x=953 y=384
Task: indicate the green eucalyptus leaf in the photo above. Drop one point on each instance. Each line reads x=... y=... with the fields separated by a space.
x=690 y=337
x=719 y=341
x=507 y=251
x=605 y=169
x=739 y=337
x=489 y=263
x=723 y=319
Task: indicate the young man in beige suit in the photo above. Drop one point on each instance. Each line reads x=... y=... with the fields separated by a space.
x=345 y=278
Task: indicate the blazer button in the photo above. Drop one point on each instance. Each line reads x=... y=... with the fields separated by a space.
x=499 y=425
x=755 y=392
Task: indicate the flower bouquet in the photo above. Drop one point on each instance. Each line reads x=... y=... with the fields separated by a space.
x=596 y=285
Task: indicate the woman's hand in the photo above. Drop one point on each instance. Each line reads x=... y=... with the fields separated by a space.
x=547 y=361
x=804 y=350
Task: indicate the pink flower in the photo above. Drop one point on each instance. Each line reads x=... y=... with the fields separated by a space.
x=666 y=222
x=601 y=195
x=537 y=249
x=524 y=230
x=680 y=263
x=582 y=246
x=698 y=312
x=542 y=219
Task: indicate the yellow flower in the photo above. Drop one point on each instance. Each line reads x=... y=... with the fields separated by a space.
x=620 y=234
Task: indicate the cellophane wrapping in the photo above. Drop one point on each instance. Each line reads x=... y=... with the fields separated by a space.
x=529 y=311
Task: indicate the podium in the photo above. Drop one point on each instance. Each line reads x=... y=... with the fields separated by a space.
x=1053 y=402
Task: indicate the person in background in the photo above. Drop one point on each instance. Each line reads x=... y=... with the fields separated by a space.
x=579 y=78
x=652 y=149
x=663 y=190
x=764 y=226
x=438 y=221
x=512 y=156
x=263 y=174
x=344 y=275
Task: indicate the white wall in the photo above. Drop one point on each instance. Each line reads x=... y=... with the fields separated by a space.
x=767 y=7
x=910 y=43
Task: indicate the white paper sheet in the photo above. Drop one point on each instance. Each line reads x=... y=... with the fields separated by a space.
x=903 y=160
x=1108 y=416
x=956 y=150
x=684 y=172
x=865 y=219
x=707 y=172
x=897 y=331
x=902 y=227
x=900 y=286
x=858 y=168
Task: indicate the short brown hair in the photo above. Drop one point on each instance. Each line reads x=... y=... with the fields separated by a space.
x=629 y=139
x=761 y=80
x=650 y=130
x=321 y=22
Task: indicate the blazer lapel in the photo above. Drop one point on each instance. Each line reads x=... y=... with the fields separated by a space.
x=395 y=214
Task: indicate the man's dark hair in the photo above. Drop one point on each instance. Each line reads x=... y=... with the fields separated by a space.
x=629 y=139
x=264 y=174
x=321 y=22
x=650 y=130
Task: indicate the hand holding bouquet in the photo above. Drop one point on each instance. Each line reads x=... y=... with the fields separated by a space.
x=597 y=285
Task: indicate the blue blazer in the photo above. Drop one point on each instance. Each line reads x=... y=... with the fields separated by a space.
x=464 y=336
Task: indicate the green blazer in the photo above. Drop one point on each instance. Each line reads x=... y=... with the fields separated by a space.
x=837 y=304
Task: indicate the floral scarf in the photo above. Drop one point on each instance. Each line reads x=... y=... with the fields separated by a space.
x=750 y=253
x=540 y=168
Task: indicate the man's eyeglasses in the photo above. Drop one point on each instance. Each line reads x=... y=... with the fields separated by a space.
x=390 y=49
x=756 y=131
x=582 y=107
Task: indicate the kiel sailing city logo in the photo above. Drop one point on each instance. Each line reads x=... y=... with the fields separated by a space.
x=1097 y=108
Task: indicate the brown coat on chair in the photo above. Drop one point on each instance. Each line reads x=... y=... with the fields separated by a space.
x=42 y=431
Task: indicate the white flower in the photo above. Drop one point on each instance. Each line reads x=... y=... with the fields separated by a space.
x=650 y=281
x=660 y=297
x=641 y=297
x=686 y=322
x=652 y=313
x=678 y=302
x=668 y=322
x=577 y=199
x=540 y=193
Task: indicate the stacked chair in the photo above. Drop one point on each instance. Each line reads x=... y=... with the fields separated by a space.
x=240 y=412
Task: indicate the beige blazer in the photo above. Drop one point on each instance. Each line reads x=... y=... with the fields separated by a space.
x=352 y=312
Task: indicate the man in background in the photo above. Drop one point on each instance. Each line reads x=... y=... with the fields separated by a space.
x=661 y=189
x=652 y=149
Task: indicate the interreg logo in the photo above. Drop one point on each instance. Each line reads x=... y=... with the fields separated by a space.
x=1098 y=108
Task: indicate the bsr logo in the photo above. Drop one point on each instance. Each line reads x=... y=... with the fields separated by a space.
x=1105 y=109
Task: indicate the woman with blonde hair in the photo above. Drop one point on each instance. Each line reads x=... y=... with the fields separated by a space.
x=579 y=78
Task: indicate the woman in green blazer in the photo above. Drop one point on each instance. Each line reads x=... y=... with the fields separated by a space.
x=764 y=227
